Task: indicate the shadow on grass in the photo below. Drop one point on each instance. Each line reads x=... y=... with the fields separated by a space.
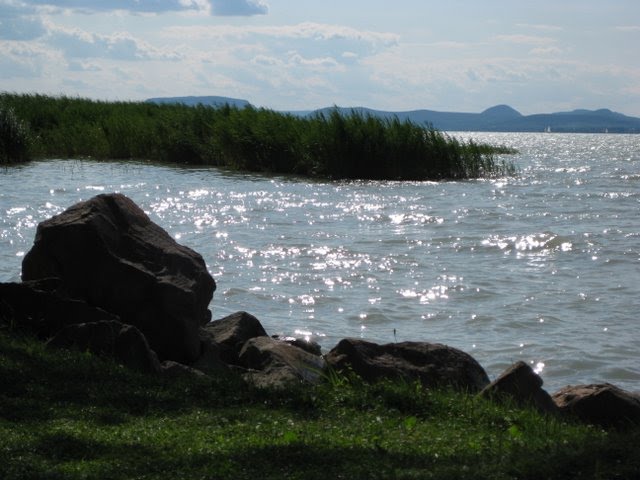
x=72 y=415
x=130 y=460
x=36 y=381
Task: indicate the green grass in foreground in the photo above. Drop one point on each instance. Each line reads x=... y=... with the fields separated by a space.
x=332 y=146
x=71 y=415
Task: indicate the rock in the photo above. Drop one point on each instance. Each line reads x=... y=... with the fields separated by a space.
x=132 y=349
x=232 y=332
x=307 y=345
x=522 y=385
x=43 y=308
x=173 y=369
x=279 y=362
x=430 y=363
x=272 y=379
x=209 y=361
x=108 y=253
x=599 y=404
x=124 y=343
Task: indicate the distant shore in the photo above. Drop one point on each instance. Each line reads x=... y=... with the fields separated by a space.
x=499 y=118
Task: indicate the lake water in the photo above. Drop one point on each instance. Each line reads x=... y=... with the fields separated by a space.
x=542 y=267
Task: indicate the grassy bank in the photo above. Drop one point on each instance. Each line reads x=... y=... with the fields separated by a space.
x=334 y=146
x=71 y=415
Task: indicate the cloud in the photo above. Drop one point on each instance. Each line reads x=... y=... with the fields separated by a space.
x=539 y=27
x=76 y=43
x=628 y=28
x=296 y=60
x=305 y=30
x=20 y=59
x=19 y=23
x=79 y=66
x=138 y=6
x=525 y=39
x=306 y=46
x=239 y=7
x=546 y=51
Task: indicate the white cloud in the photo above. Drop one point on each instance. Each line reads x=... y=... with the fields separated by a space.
x=139 y=6
x=543 y=27
x=76 y=43
x=305 y=30
x=80 y=66
x=21 y=59
x=544 y=51
x=296 y=60
x=524 y=39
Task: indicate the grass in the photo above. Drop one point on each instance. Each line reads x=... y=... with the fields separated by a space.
x=335 y=146
x=70 y=415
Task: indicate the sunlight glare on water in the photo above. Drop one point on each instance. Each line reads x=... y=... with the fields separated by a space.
x=542 y=267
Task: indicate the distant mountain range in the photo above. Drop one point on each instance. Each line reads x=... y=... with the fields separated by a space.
x=501 y=118
x=211 y=101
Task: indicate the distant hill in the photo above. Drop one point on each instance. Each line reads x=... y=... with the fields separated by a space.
x=501 y=118
x=211 y=101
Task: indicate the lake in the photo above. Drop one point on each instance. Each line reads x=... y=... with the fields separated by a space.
x=542 y=267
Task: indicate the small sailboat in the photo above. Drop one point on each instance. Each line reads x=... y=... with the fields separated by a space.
x=548 y=129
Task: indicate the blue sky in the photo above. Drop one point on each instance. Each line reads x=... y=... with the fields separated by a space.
x=458 y=55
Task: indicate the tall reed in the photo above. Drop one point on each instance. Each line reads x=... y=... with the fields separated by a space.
x=334 y=145
x=15 y=140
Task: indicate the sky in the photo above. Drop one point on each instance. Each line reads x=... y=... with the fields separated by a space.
x=454 y=55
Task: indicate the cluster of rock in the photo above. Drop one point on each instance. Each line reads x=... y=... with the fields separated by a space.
x=103 y=277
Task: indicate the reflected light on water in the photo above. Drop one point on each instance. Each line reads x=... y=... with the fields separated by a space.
x=549 y=255
x=539 y=367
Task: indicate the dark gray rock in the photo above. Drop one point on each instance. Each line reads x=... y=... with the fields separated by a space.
x=123 y=343
x=430 y=363
x=279 y=363
x=209 y=361
x=43 y=308
x=108 y=253
x=520 y=384
x=600 y=404
x=232 y=332
x=173 y=369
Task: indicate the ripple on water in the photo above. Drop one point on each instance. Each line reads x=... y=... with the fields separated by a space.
x=542 y=267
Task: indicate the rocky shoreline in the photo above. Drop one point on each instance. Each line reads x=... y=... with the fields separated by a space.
x=102 y=277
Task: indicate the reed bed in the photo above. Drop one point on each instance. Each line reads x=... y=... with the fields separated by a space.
x=334 y=145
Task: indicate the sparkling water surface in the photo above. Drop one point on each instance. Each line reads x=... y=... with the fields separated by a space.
x=542 y=267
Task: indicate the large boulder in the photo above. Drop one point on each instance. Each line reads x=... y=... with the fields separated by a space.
x=600 y=404
x=107 y=252
x=279 y=363
x=430 y=363
x=113 y=339
x=520 y=384
x=43 y=308
x=232 y=332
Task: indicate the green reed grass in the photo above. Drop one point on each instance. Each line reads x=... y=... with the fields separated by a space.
x=15 y=139
x=70 y=415
x=337 y=146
